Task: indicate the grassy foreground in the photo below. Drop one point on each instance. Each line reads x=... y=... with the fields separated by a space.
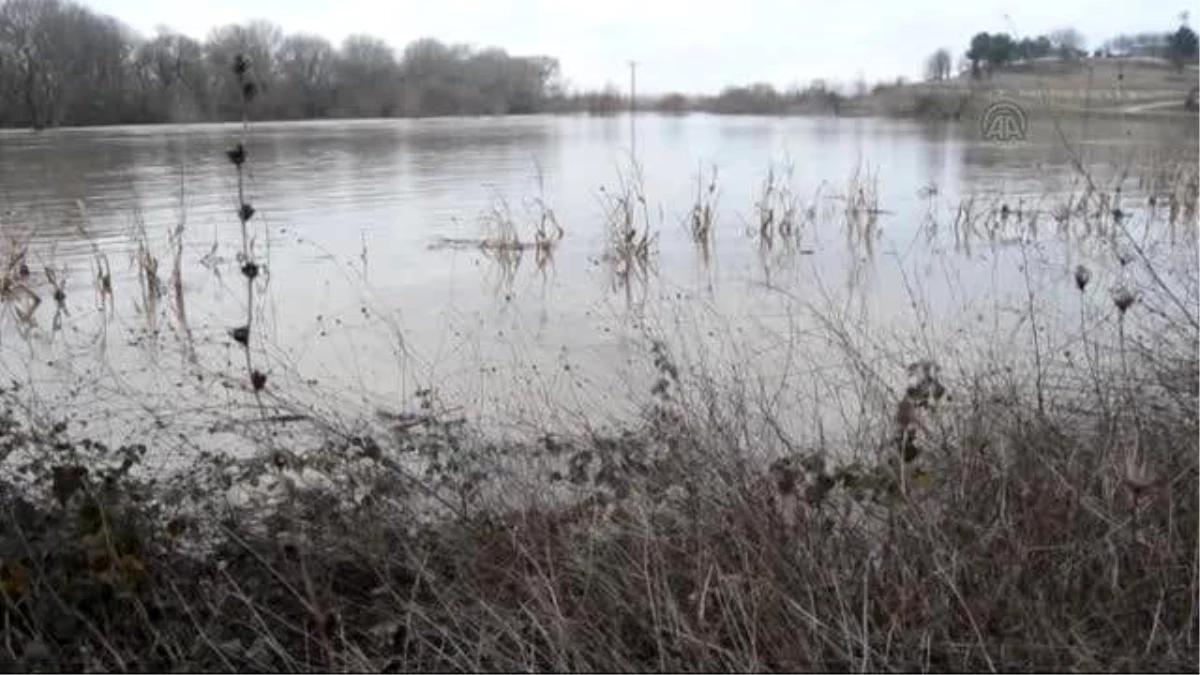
x=1006 y=539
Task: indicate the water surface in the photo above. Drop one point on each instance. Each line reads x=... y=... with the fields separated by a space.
x=363 y=304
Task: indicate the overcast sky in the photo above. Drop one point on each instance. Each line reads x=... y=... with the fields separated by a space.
x=693 y=46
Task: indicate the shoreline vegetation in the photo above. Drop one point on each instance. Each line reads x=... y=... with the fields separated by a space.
x=62 y=64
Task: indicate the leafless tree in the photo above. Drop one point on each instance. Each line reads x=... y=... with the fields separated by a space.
x=1069 y=42
x=937 y=66
x=306 y=69
x=26 y=30
x=61 y=63
x=367 y=77
x=173 y=81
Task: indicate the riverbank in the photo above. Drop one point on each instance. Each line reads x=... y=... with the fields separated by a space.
x=1089 y=87
x=1092 y=87
x=990 y=528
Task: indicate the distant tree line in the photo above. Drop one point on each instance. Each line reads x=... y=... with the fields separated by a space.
x=63 y=64
x=991 y=51
x=754 y=99
x=607 y=101
x=988 y=52
x=1179 y=47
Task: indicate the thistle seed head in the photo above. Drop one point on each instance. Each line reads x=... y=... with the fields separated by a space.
x=1082 y=276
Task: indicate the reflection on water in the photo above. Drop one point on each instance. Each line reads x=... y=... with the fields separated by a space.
x=559 y=257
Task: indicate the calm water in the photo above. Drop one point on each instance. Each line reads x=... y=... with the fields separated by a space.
x=362 y=306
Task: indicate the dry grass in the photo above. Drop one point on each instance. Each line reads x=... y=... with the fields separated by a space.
x=502 y=242
x=1017 y=540
x=777 y=210
x=702 y=218
x=631 y=234
x=14 y=284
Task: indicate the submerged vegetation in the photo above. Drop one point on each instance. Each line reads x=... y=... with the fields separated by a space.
x=1010 y=513
x=632 y=234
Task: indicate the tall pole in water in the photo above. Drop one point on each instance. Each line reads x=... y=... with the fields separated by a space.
x=633 y=109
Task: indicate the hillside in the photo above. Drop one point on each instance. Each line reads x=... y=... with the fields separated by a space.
x=1098 y=86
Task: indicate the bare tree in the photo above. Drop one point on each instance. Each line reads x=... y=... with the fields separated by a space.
x=259 y=41
x=1069 y=43
x=170 y=69
x=25 y=31
x=937 y=66
x=62 y=63
x=367 y=76
x=442 y=79
x=306 y=69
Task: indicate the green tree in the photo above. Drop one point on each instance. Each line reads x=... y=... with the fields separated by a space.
x=1029 y=49
x=979 y=52
x=1002 y=50
x=1182 y=47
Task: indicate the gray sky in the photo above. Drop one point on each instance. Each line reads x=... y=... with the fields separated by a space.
x=685 y=45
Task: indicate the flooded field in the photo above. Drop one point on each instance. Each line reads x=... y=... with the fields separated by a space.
x=523 y=268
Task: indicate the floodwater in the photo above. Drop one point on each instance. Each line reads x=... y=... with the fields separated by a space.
x=372 y=289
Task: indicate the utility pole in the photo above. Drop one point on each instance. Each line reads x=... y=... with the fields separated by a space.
x=633 y=108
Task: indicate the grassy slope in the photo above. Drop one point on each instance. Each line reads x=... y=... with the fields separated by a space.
x=1103 y=86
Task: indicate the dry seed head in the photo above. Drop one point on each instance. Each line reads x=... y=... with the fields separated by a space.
x=241 y=335
x=1082 y=276
x=909 y=450
x=1123 y=298
x=237 y=155
x=906 y=413
x=786 y=475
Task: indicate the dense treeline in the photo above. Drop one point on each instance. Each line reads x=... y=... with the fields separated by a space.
x=989 y=51
x=63 y=64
